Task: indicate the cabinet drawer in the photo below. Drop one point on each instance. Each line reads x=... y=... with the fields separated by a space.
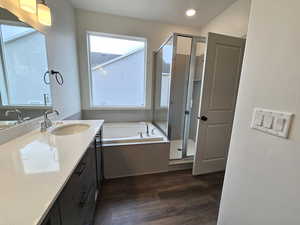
x=77 y=194
x=88 y=206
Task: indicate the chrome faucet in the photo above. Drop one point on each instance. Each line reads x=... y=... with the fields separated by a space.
x=47 y=123
x=147 y=129
x=17 y=112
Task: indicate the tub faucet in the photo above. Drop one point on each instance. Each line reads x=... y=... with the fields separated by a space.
x=47 y=122
x=17 y=112
x=147 y=129
x=141 y=134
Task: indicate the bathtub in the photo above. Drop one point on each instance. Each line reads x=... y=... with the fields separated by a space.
x=126 y=133
x=129 y=151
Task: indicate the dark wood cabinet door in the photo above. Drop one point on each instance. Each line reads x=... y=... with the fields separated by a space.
x=53 y=217
x=99 y=159
x=77 y=201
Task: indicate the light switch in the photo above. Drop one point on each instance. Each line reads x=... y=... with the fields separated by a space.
x=279 y=124
x=272 y=122
x=268 y=121
x=259 y=118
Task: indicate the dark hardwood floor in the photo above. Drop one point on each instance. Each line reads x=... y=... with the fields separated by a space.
x=175 y=198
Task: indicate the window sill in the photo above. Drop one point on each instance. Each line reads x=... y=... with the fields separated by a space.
x=24 y=107
x=118 y=108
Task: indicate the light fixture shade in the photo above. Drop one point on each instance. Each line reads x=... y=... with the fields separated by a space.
x=28 y=5
x=190 y=12
x=44 y=14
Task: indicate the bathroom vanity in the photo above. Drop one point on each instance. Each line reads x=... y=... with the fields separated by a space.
x=51 y=178
x=77 y=201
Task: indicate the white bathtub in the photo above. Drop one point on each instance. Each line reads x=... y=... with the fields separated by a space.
x=125 y=133
x=128 y=153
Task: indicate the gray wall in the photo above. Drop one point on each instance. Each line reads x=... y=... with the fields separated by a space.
x=178 y=96
x=154 y=32
x=118 y=115
x=233 y=21
x=6 y=15
x=62 y=56
x=27 y=112
x=262 y=180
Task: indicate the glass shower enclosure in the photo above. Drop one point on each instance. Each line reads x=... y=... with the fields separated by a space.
x=178 y=73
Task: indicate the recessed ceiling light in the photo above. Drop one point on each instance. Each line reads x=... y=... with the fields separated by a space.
x=190 y=12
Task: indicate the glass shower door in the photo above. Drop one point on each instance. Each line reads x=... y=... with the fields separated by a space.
x=193 y=97
x=163 y=74
x=178 y=73
x=179 y=91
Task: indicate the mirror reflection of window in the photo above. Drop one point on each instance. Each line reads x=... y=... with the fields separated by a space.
x=23 y=63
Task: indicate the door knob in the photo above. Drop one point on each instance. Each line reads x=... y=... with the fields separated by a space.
x=203 y=118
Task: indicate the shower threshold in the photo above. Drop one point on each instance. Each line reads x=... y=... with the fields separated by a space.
x=176 y=150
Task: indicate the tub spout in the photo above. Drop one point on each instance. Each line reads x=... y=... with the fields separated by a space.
x=147 y=129
x=141 y=134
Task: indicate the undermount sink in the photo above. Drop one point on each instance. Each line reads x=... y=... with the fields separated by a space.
x=7 y=124
x=70 y=129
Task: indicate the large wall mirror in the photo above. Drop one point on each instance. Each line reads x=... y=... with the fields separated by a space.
x=23 y=62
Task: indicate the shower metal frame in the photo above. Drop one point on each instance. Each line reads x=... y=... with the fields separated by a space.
x=189 y=85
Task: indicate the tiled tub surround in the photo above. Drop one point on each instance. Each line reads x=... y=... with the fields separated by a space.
x=126 y=153
x=34 y=169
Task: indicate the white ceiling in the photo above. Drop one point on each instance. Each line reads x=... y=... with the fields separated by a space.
x=168 y=11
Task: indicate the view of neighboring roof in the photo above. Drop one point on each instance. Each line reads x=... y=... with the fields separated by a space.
x=13 y=32
x=105 y=49
x=98 y=58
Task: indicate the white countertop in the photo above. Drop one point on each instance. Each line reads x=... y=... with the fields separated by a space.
x=7 y=124
x=34 y=169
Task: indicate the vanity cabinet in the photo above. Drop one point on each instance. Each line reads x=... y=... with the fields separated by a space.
x=53 y=217
x=77 y=202
x=99 y=161
x=79 y=194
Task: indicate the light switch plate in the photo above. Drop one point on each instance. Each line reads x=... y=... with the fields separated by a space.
x=272 y=122
x=268 y=120
x=258 y=119
x=279 y=124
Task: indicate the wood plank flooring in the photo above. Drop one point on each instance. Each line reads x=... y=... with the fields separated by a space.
x=175 y=198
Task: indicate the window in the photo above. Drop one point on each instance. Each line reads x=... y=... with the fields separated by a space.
x=117 y=70
x=23 y=62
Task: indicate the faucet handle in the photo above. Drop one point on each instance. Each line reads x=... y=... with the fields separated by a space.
x=47 y=122
x=50 y=111
x=17 y=112
x=141 y=134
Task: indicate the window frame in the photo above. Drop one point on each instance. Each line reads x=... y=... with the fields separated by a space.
x=90 y=91
x=3 y=67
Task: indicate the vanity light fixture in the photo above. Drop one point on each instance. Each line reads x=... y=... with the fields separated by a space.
x=44 y=14
x=190 y=12
x=28 y=5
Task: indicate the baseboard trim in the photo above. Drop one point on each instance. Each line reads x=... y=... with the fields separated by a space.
x=137 y=174
x=180 y=166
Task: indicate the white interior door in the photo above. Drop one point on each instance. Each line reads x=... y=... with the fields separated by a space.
x=220 y=82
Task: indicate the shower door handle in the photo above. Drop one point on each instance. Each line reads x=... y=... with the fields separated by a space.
x=203 y=118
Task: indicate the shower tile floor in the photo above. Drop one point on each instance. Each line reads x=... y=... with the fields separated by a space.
x=177 y=144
